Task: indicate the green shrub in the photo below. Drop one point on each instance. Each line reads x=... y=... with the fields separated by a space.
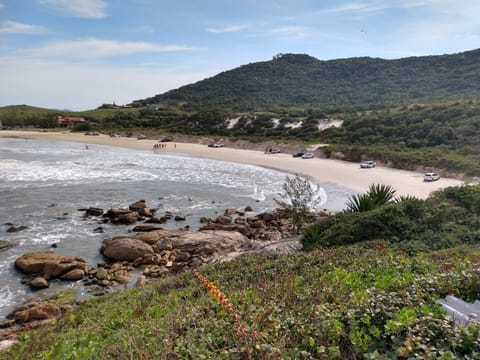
x=376 y=196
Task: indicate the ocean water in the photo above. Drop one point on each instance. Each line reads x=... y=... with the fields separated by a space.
x=43 y=184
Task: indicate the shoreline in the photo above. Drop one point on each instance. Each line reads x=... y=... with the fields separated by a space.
x=341 y=173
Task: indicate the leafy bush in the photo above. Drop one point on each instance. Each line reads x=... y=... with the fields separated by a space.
x=448 y=218
x=376 y=196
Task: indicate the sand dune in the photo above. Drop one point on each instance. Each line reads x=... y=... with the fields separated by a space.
x=342 y=173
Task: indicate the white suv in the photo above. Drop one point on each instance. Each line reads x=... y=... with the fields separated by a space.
x=431 y=177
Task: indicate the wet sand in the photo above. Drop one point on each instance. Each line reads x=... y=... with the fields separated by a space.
x=346 y=174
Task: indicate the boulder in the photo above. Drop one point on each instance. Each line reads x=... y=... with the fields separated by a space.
x=223 y=219
x=248 y=208
x=127 y=219
x=35 y=311
x=145 y=212
x=146 y=228
x=139 y=205
x=75 y=274
x=93 y=211
x=230 y=212
x=125 y=248
x=114 y=213
x=39 y=283
x=49 y=265
x=179 y=218
x=157 y=220
x=101 y=273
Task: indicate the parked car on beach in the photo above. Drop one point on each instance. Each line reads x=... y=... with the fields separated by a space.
x=307 y=156
x=431 y=177
x=298 y=154
x=215 y=145
x=164 y=139
x=368 y=164
x=272 y=151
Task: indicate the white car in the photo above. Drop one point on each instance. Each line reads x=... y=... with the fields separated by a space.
x=431 y=177
x=307 y=156
x=368 y=164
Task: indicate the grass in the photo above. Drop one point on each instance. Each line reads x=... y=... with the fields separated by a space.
x=360 y=301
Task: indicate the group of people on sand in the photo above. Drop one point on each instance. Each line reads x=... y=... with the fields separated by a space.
x=161 y=146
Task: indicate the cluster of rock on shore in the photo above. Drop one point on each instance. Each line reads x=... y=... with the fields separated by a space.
x=156 y=250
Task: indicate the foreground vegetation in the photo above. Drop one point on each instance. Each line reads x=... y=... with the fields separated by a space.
x=354 y=295
x=448 y=218
x=345 y=303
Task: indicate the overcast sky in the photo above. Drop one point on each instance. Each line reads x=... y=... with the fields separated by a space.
x=78 y=54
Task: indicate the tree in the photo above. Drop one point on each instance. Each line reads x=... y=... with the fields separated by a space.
x=297 y=199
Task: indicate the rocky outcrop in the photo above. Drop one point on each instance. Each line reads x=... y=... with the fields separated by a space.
x=50 y=265
x=165 y=251
x=29 y=316
x=126 y=248
x=262 y=227
x=35 y=311
x=108 y=275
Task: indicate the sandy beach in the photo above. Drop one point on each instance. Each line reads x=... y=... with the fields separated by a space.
x=342 y=173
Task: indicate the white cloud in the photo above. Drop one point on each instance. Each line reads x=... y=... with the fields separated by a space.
x=93 y=9
x=293 y=31
x=375 y=6
x=12 y=27
x=227 y=29
x=56 y=84
x=94 y=48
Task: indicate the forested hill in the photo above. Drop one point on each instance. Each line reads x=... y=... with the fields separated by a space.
x=343 y=84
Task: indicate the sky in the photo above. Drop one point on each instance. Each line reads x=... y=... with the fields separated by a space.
x=80 y=54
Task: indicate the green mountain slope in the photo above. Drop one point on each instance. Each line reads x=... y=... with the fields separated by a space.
x=301 y=80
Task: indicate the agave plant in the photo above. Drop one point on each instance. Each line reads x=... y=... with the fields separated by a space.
x=376 y=196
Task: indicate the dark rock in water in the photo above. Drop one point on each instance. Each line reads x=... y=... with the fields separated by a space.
x=93 y=211
x=54 y=246
x=52 y=205
x=4 y=245
x=248 y=208
x=138 y=205
x=8 y=224
x=16 y=229
x=140 y=228
x=156 y=220
x=126 y=219
x=99 y=229
x=116 y=212
x=179 y=218
x=223 y=219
